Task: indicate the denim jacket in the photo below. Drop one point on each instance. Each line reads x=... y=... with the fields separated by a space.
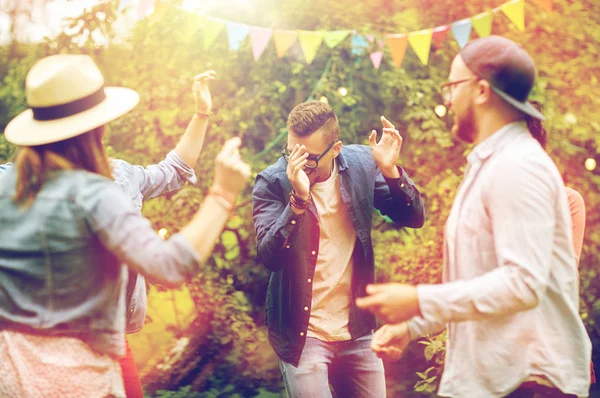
x=141 y=183
x=288 y=244
x=146 y=183
x=61 y=258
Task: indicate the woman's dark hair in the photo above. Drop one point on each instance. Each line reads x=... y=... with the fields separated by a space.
x=535 y=125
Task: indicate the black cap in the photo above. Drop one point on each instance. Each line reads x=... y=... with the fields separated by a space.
x=506 y=66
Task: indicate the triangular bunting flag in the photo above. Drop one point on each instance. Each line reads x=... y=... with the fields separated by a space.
x=283 y=40
x=335 y=37
x=160 y=9
x=190 y=26
x=259 y=38
x=462 y=31
x=236 y=33
x=545 y=4
x=359 y=45
x=421 y=43
x=212 y=29
x=515 y=11
x=310 y=40
x=398 y=44
x=438 y=35
x=482 y=23
x=376 y=58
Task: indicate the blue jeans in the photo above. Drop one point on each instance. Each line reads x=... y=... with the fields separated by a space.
x=350 y=368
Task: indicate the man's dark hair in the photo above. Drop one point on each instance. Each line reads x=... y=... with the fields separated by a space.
x=311 y=116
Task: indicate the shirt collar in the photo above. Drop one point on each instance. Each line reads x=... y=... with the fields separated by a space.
x=487 y=147
x=342 y=164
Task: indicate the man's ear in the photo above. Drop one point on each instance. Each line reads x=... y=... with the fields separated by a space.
x=337 y=148
x=484 y=92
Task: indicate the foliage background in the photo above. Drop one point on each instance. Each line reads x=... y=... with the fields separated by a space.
x=208 y=339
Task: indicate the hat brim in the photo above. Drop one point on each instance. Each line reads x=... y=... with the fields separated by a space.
x=525 y=107
x=24 y=130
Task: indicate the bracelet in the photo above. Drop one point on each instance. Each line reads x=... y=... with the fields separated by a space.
x=204 y=115
x=298 y=202
x=226 y=204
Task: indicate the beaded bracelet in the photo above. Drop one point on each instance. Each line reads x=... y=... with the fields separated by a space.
x=222 y=200
x=298 y=202
x=204 y=115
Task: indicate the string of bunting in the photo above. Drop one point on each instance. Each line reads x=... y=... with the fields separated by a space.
x=310 y=41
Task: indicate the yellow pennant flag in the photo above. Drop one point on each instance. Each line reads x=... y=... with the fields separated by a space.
x=212 y=29
x=482 y=23
x=515 y=11
x=397 y=44
x=189 y=26
x=283 y=40
x=160 y=9
x=421 y=43
x=310 y=40
x=335 y=37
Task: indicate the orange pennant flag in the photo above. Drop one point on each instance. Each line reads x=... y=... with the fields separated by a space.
x=398 y=44
x=515 y=11
x=545 y=4
x=283 y=40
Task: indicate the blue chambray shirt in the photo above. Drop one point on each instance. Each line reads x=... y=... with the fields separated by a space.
x=61 y=259
x=141 y=183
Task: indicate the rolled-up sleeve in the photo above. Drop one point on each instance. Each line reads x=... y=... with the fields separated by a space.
x=399 y=199
x=4 y=167
x=155 y=180
x=130 y=237
x=521 y=203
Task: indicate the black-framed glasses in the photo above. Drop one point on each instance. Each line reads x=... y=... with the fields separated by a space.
x=446 y=89
x=312 y=161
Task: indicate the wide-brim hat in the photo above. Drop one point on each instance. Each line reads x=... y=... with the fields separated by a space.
x=67 y=97
x=507 y=67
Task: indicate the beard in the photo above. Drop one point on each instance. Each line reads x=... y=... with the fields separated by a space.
x=464 y=127
x=316 y=175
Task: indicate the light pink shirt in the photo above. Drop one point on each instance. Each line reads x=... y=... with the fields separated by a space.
x=510 y=298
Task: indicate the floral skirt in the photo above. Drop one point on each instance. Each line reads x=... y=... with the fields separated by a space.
x=34 y=366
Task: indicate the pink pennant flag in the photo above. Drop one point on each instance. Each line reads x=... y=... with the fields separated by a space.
x=259 y=37
x=376 y=58
x=144 y=7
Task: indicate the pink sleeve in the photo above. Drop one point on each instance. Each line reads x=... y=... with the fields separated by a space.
x=577 y=207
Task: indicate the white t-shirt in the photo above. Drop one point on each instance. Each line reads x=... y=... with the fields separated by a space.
x=332 y=296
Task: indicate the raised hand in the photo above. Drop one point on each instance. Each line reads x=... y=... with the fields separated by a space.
x=391 y=302
x=295 y=171
x=387 y=151
x=390 y=341
x=231 y=173
x=201 y=91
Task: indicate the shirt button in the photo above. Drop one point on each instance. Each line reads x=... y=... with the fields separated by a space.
x=305 y=308
x=293 y=222
x=402 y=185
x=287 y=247
x=408 y=204
x=309 y=280
x=301 y=334
x=313 y=252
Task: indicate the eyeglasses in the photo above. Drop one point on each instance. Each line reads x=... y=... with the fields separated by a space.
x=446 y=89
x=312 y=161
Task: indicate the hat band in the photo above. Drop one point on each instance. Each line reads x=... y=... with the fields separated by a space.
x=70 y=108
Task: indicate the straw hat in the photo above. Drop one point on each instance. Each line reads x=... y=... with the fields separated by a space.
x=67 y=97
